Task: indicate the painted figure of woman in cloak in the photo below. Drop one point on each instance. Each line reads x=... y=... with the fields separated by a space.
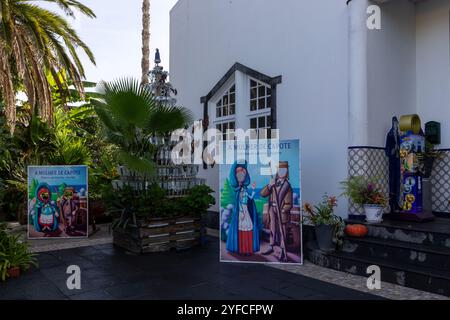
x=243 y=235
x=392 y=151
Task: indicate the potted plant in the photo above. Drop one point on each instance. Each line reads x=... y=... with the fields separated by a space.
x=198 y=200
x=14 y=256
x=365 y=192
x=327 y=225
x=150 y=221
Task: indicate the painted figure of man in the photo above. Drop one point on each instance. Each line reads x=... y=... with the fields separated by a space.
x=69 y=208
x=280 y=195
x=392 y=151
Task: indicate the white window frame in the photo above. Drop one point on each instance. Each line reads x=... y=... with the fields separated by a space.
x=267 y=97
x=222 y=120
x=258 y=113
x=220 y=97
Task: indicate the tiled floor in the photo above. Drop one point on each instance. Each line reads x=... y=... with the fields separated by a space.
x=111 y=273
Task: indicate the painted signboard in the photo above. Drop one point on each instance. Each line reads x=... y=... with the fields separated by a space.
x=57 y=202
x=260 y=216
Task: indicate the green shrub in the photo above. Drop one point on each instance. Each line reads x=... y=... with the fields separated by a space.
x=14 y=253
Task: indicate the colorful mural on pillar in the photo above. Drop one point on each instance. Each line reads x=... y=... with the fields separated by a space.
x=57 y=202
x=260 y=216
x=412 y=147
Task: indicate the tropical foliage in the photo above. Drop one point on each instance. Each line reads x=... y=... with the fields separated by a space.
x=14 y=253
x=130 y=117
x=73 y=140
x=133 y=207
x=39 y=47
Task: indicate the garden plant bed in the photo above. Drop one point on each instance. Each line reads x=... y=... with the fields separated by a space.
x=160 y=235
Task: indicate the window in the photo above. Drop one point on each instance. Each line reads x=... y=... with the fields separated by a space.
x=225 y=112
x=260 y=122
x=260 y=115
x=260 y=96
x=224 y=127
x=226 y=106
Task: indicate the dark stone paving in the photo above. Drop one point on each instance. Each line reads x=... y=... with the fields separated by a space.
x=111 y=273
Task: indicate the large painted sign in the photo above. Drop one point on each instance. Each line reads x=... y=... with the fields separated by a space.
x=57 y=202
x=260 y=216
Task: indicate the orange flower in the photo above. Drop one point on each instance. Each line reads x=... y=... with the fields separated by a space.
x=308 y=208
x=332 y=202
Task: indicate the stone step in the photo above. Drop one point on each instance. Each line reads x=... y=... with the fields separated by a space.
x=402 y=252
x=408 y=275
x=433 y=234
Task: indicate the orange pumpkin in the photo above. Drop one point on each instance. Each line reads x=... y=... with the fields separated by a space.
x=356 y=230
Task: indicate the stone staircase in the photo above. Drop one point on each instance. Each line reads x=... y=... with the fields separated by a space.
x=411 y=254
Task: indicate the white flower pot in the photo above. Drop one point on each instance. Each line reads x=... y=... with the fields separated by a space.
x=374 y=213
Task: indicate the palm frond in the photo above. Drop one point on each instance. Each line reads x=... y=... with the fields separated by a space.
x=36 y=45
x=165 y=119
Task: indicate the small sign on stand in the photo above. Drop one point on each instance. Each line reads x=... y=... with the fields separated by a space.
x=58 y=202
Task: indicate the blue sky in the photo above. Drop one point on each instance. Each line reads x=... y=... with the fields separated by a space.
x=115 y=36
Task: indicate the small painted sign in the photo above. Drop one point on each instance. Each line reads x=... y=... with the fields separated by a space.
x=57 y=202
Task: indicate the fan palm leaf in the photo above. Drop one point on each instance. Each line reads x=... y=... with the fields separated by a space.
x=130 y=116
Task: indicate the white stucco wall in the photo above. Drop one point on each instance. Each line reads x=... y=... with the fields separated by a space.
x=409 y=66
x=391 y=68
x=304 y=41
x=433 y=64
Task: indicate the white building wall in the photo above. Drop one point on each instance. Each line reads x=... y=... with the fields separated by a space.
x=304 y=41
x=433 y=64
x=391 y=68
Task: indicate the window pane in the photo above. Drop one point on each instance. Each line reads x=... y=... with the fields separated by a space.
x=225 y=100
x=225 y=111
x=253 y=123
x=261 y=122
x=231 y=125
x=252 y=105
x=269 y=121
x=261 y=103
x=233 y=89
x=253 y=93
x=218 y=127
x=268 y=102
x=262 y=91
x=253 y=83
x=218 y=112
x=232 y=98
x=232 y=109
x=269 y=91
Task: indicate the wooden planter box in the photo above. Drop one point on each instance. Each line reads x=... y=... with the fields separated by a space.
x=160 y=235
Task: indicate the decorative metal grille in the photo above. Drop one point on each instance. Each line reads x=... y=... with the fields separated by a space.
x=440 y=179
x=367 y=162
x=372 y=162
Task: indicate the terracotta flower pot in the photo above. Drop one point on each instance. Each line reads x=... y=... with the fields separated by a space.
x=14 y=272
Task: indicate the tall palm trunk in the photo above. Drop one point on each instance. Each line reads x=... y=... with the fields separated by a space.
x=145 y=65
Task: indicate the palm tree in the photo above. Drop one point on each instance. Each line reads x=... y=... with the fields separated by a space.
x=131 y=116
x=36 y=45
x=145 y=65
